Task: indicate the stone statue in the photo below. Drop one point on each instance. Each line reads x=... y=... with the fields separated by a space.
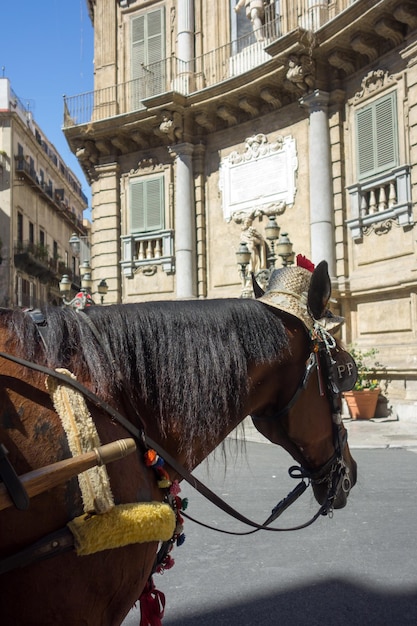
x=256 y=244
x=255 y=12
x=301 y=72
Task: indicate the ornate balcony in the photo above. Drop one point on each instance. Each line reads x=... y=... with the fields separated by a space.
x=146 y=251
x=380 y=202
x=210 y=69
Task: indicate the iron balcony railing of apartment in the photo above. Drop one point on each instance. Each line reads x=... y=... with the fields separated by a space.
x=25 y=114
x=187 y=77
x=54 y=197
x=34 y=260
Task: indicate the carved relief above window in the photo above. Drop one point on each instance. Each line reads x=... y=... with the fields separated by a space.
x=374 y=81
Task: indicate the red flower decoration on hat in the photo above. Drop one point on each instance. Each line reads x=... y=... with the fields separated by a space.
x=302 y=261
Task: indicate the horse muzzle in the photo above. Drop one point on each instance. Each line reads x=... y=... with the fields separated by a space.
x=332 y=489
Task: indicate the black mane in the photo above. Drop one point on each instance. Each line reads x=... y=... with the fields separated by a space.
x=187 y=359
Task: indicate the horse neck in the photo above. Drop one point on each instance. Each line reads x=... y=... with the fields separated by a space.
x=273 y=384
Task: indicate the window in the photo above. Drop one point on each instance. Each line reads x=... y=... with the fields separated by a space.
x=42 y=237
x=147 y=205
x=377 y=137
x=19 y=228
x=242 y=30
x=31 y=233
x=240 y=27
x=148 y=52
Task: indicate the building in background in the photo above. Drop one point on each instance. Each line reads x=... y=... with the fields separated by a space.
x=269 y=128
x=41 y=206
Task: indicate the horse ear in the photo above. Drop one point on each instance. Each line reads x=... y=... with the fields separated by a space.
x=319 y=290
x=257 y=289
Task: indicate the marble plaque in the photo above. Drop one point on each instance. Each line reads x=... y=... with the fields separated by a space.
x=261 y=178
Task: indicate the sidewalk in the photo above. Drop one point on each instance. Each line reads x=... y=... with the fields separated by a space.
x=375 y=433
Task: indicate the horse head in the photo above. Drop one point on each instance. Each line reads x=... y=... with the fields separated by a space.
x=302 y=410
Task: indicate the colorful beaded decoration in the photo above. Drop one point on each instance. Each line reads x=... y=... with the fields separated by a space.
x=152 y=459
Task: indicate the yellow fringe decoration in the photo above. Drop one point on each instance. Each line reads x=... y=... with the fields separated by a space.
x=122 y=525
x=82 y=437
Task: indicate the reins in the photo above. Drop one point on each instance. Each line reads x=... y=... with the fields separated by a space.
x=334 y=471
x=141 y=436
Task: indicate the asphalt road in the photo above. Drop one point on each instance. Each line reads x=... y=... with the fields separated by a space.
x=358 y=568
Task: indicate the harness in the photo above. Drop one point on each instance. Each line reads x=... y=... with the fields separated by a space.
x=334 y=472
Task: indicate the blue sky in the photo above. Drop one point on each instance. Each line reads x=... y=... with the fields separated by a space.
x=46 y=51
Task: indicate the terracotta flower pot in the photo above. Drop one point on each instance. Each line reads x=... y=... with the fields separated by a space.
x=362 y=404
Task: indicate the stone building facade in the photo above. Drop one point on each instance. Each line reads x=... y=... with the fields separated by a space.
x=41 y=206
x=210 y=118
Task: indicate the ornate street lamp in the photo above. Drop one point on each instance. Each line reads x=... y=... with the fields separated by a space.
x=243 y=257
x=82 y=299
x=75 y=243
x=272 y=230
x=102 y=289
x=284 y=250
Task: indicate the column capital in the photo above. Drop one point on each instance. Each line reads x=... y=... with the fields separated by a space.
x=108 y=168
x=181 y=149
x=317 y=100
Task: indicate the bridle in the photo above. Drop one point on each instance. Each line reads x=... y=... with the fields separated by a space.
x=334 y=472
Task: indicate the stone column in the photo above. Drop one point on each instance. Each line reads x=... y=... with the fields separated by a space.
x=185 y=254
x=105 y=235
x=200 y=213
x=185 y=43
x=321 y=191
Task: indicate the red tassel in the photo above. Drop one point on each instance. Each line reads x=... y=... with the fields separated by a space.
x=302 y=261
x=152 y=605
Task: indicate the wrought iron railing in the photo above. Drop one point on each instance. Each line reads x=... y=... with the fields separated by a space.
x=214 y=67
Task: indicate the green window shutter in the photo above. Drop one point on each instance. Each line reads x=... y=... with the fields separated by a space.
x=148 y=49
x=138 y=45
x=154 y=204
x=377 y=137
x=365 y=141
x=147 y=205
x=137 y=208
x=386 y=132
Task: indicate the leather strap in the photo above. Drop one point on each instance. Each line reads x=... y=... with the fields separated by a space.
x=141 y=436
x=12 y=481
x=60 y=541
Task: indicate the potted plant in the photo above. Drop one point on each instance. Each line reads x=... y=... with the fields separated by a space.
x=363 y=398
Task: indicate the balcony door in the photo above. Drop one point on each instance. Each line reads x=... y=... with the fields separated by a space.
x=147 y=54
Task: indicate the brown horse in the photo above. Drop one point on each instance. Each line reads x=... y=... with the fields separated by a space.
x=188 y=372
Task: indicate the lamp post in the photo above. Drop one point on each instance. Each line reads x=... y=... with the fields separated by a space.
x=79 y=246
x=83 y=298
x=243 y=257
x=278 y=246
x=284 y=250
x=272 y=231
x=102 y=288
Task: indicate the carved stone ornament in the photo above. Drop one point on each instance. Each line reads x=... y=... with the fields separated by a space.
x=301 y=72
x=374 y=81
x=260 y=180
x=147 y=270
x=147 y=163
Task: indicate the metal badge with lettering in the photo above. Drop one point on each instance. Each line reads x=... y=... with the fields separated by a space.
x=344 y=370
